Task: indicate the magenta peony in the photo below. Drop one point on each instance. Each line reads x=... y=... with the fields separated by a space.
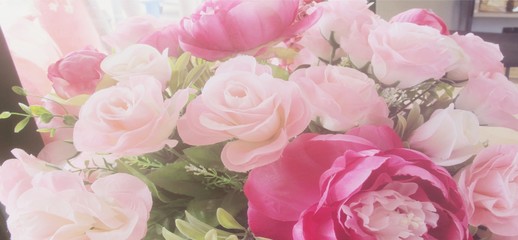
x=345 y=187
x=220 y=29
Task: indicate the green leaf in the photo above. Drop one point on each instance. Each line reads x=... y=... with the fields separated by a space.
x=173 y=178
x=226 y=220
x=205 y=209
x=46 y=117
x=182 y=61
x=69 y=120
x=123 y=167
x=25 y=108
x=169 y=235
x=208 y=156
x=188 y=230
x=195 y=74
x=5 y=115
x=211 y=235
x=38 y=110
x=19 y=90
x=22 y=124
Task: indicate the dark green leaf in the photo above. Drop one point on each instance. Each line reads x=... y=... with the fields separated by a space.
x=46 y=117
x=123 y=167
x=69 y=120
x=19 y=90
x=173 y=178
x=207 y=156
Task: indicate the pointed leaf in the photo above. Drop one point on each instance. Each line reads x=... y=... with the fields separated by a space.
x=188 y=230
x=123 y=167
x=38 y=110
x=22 y=124
x=19 y=90
x=69 y=120
x=46 y=117
x=211 y=235
x=226 y=220
x=207 y=156
x=5 y=115
x=173 y=178
x=25 y=108
x=169 y=235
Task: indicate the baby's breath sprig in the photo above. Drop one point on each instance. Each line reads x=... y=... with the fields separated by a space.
x=214 y=179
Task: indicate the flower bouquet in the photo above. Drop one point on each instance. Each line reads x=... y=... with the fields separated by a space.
x=273 y=120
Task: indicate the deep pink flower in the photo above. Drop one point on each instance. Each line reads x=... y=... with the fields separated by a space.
x=76 y=73
x=165 y=38
x=422 y=17
x=345 y=187
x=220 y=29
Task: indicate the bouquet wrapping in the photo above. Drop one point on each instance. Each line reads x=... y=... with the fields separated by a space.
x=273 y=120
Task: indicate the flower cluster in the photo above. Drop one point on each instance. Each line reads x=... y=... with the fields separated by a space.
x=272 y=119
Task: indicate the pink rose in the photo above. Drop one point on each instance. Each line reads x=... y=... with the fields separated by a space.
x=480 y=56
x=449 y=137
x=351 y=23
x=60 y=207
x=16 y=176
x=493 y=98
x=341 y=98
x=131 y=118
x=400 y=49
x=165 y=38
x=245 y=103
x=314 y=42
x=422 y=17
x=344 y=187
x=77 y=73
x=489 y=187
x=132 y=30
x=220 y=29
x=138 y=59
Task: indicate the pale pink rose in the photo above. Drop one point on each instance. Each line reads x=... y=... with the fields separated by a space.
x=220 y=29
x=76 y=73
x=138 y=59
x=60 y=207
x=449 y=137
x=493 y=98
x=350 y=22
x=131 y=118
x=344 y=187
x=489 y=188
x=422 y=17
x=132 y=30
x=341 y=98
x=479 y=56
x=16 y=176
x=313 y=41
x=257 y=110
x=165 y=38
x=407 y=54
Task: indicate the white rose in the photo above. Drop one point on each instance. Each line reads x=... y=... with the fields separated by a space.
x=449 y=137
x=138 y=59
